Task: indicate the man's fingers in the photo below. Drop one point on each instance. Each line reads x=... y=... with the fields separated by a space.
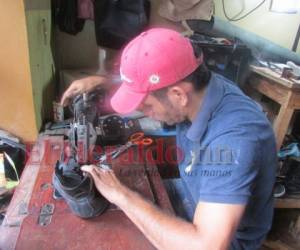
x=65 y=99
x=105 y=168
x=69 y=93
x=92 y=170
x=87 y=168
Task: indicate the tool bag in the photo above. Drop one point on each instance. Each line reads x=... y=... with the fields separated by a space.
x=118 y=21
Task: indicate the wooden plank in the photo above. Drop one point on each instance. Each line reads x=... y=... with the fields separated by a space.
x=295 y=100
x=289 y=99
x=281 y=123
x=270 y=74
x=288 y=202
x=111 y=230
x=41 y=62
x=18 y=207
x=37 y=4
x=269 y=88
x=278 y=245
x=35 y=40
x=47 y=66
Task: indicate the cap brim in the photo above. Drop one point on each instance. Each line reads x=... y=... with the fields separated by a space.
x=125 y=100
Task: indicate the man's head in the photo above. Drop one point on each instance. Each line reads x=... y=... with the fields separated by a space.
x=160 y=72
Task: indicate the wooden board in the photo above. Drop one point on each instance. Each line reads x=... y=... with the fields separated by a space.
x=111 y=230
x=288 y=202
x=270 y=74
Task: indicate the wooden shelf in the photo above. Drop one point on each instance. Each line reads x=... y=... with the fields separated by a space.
x=290 y=201
x=284 y=92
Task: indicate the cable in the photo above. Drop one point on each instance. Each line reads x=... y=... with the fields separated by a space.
x=242 y=17
x=12 y=164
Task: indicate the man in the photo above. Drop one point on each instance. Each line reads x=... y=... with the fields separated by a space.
x=228 y=169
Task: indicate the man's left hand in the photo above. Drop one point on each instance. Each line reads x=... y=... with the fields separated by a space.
x=106 y=182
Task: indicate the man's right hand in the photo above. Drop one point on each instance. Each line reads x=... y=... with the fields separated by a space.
x=81 y=86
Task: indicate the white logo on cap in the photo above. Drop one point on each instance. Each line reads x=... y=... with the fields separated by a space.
x=125 y=78
x=154 y=79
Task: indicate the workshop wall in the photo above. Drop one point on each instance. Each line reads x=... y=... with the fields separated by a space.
x=277 y=27
x=78 y=51
x=81 y=51
x=16 y=100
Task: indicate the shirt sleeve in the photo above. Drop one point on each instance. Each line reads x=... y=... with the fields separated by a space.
x=227 y=169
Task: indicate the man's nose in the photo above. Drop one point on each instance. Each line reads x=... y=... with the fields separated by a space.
x=140 y=108
x=144 y=110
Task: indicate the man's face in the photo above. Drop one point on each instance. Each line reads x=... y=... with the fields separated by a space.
x=162 y=110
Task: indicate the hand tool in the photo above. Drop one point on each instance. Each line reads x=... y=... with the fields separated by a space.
x=135 y=139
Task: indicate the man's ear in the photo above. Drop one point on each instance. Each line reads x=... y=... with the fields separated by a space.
x=178 y=96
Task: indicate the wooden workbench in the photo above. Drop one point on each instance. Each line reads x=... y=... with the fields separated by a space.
x=111 y=230
x=287 y=94
x=283 y=91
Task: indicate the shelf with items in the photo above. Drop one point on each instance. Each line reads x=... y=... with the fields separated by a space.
x=282 y=99
x=281 y=91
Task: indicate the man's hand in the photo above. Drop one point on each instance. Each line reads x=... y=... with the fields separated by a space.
x=82 y=86
x=106 y=182
x=164 y=230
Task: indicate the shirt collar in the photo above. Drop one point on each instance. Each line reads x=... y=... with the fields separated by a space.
x=213 y=96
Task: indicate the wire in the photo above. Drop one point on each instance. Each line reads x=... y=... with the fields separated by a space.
x=242 y=17
x=12 y=164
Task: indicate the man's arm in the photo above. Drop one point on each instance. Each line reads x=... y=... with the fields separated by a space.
x=83 y=85
x=213 y=226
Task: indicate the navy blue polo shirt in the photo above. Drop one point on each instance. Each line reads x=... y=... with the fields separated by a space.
x=228 y=155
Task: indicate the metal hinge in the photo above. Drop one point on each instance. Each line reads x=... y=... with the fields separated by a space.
x=46 y=214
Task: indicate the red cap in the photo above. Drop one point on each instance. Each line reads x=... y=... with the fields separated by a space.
x=155 y=59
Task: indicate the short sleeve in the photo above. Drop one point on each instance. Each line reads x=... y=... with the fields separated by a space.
x=227 y=169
